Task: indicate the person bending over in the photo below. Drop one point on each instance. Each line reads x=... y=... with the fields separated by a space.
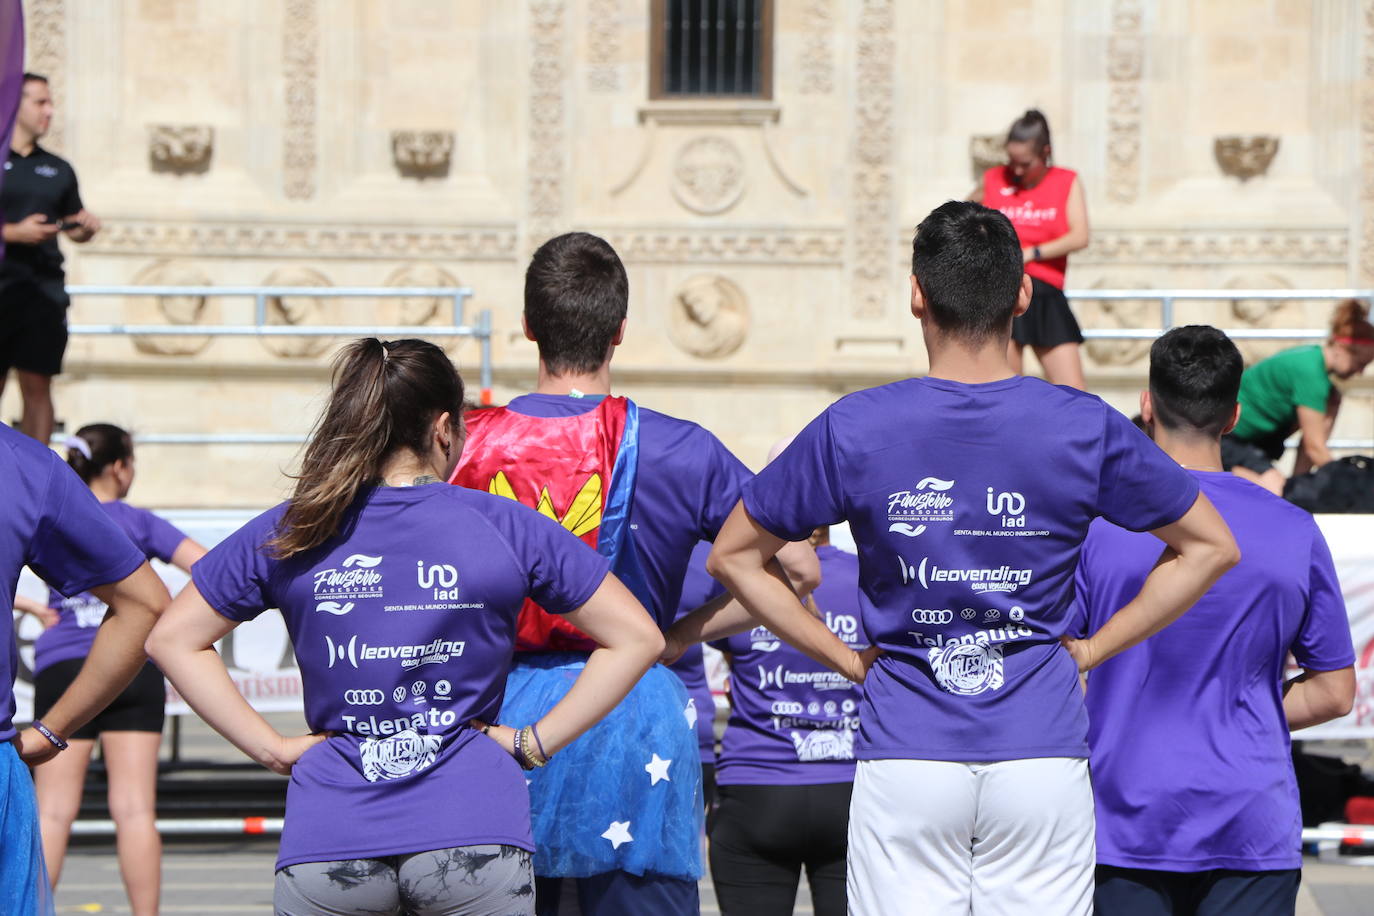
x=1297 y=390
x=130 y=728
x=969 y=493
x=1197 y=803
x=400 y=594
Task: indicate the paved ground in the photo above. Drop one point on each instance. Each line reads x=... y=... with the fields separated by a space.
x=234 y=876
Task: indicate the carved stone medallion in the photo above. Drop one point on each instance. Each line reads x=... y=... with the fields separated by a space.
x=986 y=151
x=172 y=309
x=296 y=310
x=709 y=317
x=181 y=149
x=422 y=153
x=1114 y=314
x=1245 y=157
x=420 y=310
x=708 y=176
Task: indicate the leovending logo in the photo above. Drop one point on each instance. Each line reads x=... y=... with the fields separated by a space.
x=411 y=656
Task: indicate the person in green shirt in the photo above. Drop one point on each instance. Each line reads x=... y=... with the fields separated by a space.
x=1297 y=390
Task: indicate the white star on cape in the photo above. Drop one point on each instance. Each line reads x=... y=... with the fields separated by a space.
x=617 y=833
x=657 y=769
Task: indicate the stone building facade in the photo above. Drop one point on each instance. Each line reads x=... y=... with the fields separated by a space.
x=1223 y=144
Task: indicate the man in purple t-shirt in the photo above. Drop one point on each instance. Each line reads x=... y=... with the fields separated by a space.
x=969 y=493
x=1197 y=804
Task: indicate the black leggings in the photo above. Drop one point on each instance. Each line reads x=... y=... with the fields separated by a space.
x=763 y=836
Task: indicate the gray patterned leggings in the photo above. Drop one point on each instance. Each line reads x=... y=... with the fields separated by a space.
x=462 y=881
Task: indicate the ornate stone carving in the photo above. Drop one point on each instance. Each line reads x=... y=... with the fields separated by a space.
x=546 y=147
x=1245 y=157
x=603 y=45
x=708 y=175
x=986 y=151
x=814 y=248
x=1219 y=246
x=300 y=37
x=45 y=41
x=1262 y=313
x=873 y=215
x=181 y=149
x=297 y=310
x=710 y=317
x=816 y=64
x=1118 y=313
x=420 y=310
x=422 y=153
x=172 y=309
x=1125 y=68
x=1367 y=149
x=229 y=239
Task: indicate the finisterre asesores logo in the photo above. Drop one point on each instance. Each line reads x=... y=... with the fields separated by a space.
x=910 y=511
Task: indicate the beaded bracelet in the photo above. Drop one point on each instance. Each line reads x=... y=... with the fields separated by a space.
x=50 y=735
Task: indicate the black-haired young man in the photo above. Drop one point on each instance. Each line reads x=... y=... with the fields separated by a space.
x=969 y=493
x=620 y=809
x=39 y=199
x=1197 y=804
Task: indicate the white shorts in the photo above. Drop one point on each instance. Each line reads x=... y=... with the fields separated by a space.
x=932 y=837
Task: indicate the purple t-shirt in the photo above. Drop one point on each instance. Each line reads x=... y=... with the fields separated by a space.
x=1190 y=752
x=698 y=588
x=969 y=504
x=793 y=720
x=687 y=483
x=404 y=629
x=79 y=616
x=51 y=523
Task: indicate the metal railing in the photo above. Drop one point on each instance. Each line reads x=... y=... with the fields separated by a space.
x=1169 y=298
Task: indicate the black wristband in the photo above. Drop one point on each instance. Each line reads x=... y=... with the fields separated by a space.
x=1035 y=253
x=51 y=735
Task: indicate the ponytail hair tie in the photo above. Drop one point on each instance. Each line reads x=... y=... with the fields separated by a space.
x=76 y=443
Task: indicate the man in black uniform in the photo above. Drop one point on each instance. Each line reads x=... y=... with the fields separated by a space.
x=39 y=199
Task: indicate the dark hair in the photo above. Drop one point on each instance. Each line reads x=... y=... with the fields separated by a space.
x=33 y=78
x=107 y=443
x=384 y=397
x=1351 y=319
x=1033 y=128
x=968 y=263
x=576 y=296
x=1195 y=379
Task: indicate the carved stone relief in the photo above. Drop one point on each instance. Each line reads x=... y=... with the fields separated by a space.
x=603 y=45
x=171 y=309
x=873 y=215
x=300 y=64
x=546 y=134
x=45 y=42
x=296 y=310
x=708 y=175
x=1114 y=314
x=986 y=151
x=1367 y=148
x=181 y=149
x=1262 y=313
x=422 y=153
x=420 y=310
x=1125 y=69
x=816 y=64
x=710 y=317
x=1245 y=157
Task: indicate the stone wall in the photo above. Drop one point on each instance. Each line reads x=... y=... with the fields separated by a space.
x=413 y=142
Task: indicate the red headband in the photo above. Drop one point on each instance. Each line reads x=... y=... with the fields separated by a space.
x=1355 y=341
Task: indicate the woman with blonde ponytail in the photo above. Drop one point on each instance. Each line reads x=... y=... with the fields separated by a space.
x=1297 y=390
x=400 y=593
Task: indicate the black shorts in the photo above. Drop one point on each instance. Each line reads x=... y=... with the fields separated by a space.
x=33 y=323
x=1221 y=891
x=1256 y=455
x=1049 y=321
x=138 y=709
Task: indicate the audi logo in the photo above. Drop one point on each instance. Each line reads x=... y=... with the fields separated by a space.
x=364 y=697
x=929 y=615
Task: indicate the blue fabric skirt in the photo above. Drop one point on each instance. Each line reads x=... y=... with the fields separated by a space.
x=24 y=887
x=626 y=795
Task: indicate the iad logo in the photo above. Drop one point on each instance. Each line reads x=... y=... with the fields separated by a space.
x=398 y=755
x=441 y=578
x=1010 y=506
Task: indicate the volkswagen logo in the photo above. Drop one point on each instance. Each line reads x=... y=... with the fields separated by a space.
x=364 y=697
x=929 y=615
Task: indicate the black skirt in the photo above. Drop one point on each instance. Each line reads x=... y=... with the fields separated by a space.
x=1049 y=321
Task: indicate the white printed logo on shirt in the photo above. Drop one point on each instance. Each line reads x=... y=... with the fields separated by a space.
x=824 y=744
x=908 y=511
x=966 y=669
x=399 y=755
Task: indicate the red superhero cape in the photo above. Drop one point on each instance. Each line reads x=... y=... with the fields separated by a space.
x=560 y=466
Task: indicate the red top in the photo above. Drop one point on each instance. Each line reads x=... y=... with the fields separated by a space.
x=1040 y=214
x=560 y=467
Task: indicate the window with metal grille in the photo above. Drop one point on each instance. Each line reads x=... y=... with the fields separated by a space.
x=711 y=48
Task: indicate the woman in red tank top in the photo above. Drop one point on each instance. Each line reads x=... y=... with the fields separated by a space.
x=1045 y=204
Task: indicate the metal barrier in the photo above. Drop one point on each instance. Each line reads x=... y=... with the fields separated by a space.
x=1167 y=298
x=261 y=328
